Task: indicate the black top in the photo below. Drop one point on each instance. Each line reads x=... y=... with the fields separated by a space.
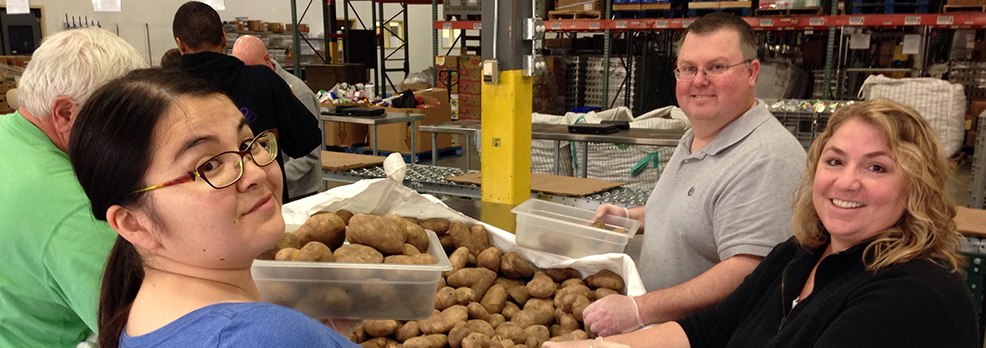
x=264 y=99
x=913 y=304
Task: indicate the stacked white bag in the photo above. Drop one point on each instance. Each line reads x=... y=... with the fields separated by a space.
x=941 y=103
x=543 y=151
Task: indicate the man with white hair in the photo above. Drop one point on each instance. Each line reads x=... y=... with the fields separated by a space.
x=304 y=174
x=54 y=250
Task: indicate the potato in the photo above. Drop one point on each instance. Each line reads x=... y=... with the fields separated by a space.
x=461 y=330
x=412 y=220
x=475 y=238
x=619 y=230
x=496 y=319
x=287 y=254
x=572 y=282
x=378 y=295
x=357 y=253
x=382 y=233
x=380 y=328
x=476 y=340
x=409 y=250
x=327 y=296
x=315 y=251
x=494 y=299
x=512 y=266
x=540 y=303
x=538 y=332
x=599 y=224
x=285 y=294
x=518 y=293
x=345 y=215
x=419 y=259
x=427 y=341
x=568 y=323
x=378 y=342
x=441 y=283
x=326 y=228
x=459 y=258
x=446 y=241
x=443 y=322
x=603 y=292
x=445 y=298
x=605 y=279
x=477 y=311
x=288 y=240
x=464 y=295
x=578 y=306
x=509 y=309
x=440 y=226
x=533 y=316
x=416 y=236
x=408 y=330
x=478 y=279
x=566 y=296
x=511 y=331
x=489 y=259
x=571 y=336
x=541 y=286
x=561 y=274
x=358 y=336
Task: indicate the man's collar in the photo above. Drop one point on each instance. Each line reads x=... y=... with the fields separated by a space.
x=733 y=132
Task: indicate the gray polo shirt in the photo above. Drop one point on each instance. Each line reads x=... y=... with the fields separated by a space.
x=732 y=197
x=304 y=174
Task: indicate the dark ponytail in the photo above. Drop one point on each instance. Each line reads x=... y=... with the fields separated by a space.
x=110 y=149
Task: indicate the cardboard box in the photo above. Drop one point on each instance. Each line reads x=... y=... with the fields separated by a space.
x=415 y=86
x=970 y=221
x=255 y=25
x=470 y=87
x=397 y=137
x=302 y=28
x=470 y=68
x=470 y=99
x=579 y=5
x=346 y=134
x=966 y=2
x=275 y=27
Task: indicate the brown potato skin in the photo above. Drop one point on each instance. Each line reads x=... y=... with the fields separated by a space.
x=409 y=330
x=605 y=279
x=287 y=254
x=288 y=240
x=358 y=253
x=514 y=267
x=541 y=286
x=418 y=259
x=562 y=274
x=440 y=226
x=461 y=330
x=316 y=251
x=380 y=328
x=489 y=259
x=382 y=233
x=345 y=215
x=416 y=236
x=427 y=341
x=495 y=299
x=478 y=279
x=327 y=228
x=443 y=322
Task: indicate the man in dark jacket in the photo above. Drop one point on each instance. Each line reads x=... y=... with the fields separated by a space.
x=262 y=96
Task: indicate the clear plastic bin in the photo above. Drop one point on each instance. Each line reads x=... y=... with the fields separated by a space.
x=566 y=230
x=354 y=290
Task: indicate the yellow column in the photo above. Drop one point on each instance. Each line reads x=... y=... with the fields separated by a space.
x=506 y=132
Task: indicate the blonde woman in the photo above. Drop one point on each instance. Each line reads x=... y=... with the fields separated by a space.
x=874 y=259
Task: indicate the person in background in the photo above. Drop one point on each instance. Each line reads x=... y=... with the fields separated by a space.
x=303 y=175
x=53 y=249
x=172 y=165
x=874 y=260
x=260 y=95
x=170 y=58
x=723 y=201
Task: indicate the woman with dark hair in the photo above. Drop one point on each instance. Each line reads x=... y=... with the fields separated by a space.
x=874 y=259
x=172 y=165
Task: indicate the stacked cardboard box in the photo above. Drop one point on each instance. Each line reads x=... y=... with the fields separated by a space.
x=447 y=68
x=579 y=5
x=463 y=77
x=397 y=137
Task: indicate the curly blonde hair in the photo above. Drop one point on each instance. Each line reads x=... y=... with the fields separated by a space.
x=926 y=229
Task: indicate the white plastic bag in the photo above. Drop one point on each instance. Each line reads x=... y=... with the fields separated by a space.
x=941 y=103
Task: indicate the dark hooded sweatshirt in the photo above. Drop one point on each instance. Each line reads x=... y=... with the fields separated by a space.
x=263 y=98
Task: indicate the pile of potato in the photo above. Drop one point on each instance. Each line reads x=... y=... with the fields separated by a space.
x=494 y=300
x=372 y=239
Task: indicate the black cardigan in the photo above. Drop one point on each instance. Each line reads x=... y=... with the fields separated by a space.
x=913 y=304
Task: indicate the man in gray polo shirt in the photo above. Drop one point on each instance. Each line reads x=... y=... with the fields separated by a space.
x=304 y=175
x=724 y=200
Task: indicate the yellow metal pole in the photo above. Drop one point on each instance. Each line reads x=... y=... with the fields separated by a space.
x=506 y=132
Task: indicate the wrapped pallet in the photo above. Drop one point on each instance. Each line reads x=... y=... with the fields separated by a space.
x=941 y=103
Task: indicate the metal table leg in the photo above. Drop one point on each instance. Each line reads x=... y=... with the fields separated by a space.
x=414 y=142
x=557 y=156
x=434 y=149
x=373 y=129
x=585 y=159
x=468 y=151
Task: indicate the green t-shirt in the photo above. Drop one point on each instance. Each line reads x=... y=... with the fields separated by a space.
x=54 y=250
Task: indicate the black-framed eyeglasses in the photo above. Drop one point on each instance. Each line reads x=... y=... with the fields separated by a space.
x=714 y=71
x=226 y=168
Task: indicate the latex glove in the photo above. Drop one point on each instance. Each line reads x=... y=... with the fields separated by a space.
x=609 y=209
x=613 y=314
x=596 y=343
x=344 y=327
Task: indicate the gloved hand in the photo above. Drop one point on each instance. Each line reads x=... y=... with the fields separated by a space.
x=609 y=209
x=344 y=327
x=613 y=314
x=596 y=343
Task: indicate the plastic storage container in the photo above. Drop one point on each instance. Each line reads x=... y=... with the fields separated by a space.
x=354 y=290
x=565 y=230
